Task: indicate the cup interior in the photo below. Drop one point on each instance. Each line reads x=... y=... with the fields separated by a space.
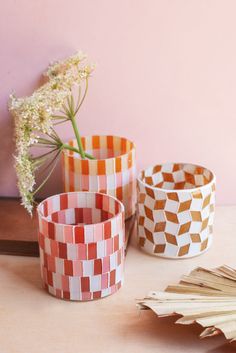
x=176 y=176
x=79 y=208
x=103 y=147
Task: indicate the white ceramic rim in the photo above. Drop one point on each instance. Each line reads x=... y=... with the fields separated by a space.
x=66 y=152
x=39 y=211
x=177 y=190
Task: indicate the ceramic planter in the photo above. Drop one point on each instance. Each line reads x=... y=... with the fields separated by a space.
x=81 y=240
x=112 y=172
x=175 y=210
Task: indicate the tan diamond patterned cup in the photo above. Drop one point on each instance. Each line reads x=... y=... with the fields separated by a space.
x=175 y=210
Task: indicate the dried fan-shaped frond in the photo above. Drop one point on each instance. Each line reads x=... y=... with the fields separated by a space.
x=206 y=297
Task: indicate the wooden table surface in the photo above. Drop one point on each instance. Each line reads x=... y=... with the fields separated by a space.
x=31 y=321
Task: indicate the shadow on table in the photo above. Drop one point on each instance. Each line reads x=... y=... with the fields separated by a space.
x=224 y=348
x=155 y=332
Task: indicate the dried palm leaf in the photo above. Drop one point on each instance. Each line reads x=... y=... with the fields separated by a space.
x=206 y=297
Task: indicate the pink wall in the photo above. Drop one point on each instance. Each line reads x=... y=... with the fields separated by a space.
x=166 y=75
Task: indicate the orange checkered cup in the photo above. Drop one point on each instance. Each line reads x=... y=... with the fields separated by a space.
x=113 y=171
x=81 y=242
x=175 y=210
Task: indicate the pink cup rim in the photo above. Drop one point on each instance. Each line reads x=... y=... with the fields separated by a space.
x=40 y=213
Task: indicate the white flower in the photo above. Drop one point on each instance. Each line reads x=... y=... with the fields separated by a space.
x=33 y=116
x=26 y=179
x=61 y=67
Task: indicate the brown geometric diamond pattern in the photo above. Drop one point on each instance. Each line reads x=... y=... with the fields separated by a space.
x=176 y=176
x=176 y=223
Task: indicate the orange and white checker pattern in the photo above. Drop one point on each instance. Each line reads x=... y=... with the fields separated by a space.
x=176 y=204
x=112 y=172
x=81 y=241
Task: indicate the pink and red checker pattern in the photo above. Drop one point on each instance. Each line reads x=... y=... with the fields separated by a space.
x=83 y=283
x=81 y=239
x=83 y=296
x=82 y=267
x=81 y=251
x=81 y=217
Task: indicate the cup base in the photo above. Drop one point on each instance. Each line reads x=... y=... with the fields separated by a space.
x=87 y=296
x=188 y=256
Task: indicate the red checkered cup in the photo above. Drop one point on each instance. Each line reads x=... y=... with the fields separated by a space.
x=176 y=204
x=81 y=241
x=113 y=171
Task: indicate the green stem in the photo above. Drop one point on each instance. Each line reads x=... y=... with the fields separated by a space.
x=78 y=98
x=83 y=98
x=71 y=111
x=46 y=141
x=45 y=180
x=78 y=138
x=73 y=149
x=42 y=156
x=43 y=145
x=59 y=117
x=60 y=122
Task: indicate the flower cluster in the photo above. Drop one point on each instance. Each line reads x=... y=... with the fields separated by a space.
x=67 y=73
x=34 y=116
